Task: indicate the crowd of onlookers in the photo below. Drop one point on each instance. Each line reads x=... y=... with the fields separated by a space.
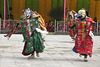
x=50 y=26
x=10 y=23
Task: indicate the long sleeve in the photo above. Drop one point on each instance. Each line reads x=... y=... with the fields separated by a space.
x=10 y=32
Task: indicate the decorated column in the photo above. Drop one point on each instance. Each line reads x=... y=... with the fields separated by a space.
x=64 y=14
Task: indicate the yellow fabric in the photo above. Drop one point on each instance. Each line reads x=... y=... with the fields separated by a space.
x=83 y=30
x=44 y=8
x=71 y=4
x=81 y=12
x=42 y=22
x=17 y=8
x=94 y=9
x=83 y=16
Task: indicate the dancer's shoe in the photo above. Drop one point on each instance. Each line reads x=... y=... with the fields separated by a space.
x=37 y=54
x=85 y=58
x=80 y=55
x=32 y=56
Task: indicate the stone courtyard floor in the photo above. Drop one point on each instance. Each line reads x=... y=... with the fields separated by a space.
x=57 y=53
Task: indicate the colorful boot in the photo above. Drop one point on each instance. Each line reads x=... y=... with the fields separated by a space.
x=85 y=58
x=37 y=54
x=32 y=56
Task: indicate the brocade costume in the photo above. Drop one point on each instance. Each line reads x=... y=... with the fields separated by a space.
x=31 y=22
x=84 y=35
x=83 y=41
x=71 y=23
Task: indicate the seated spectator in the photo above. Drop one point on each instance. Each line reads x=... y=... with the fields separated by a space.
x=51 y=26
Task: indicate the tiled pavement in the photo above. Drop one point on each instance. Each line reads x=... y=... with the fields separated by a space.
x=57 y=53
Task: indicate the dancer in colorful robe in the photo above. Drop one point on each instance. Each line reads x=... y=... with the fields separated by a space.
x=33 y=26
x=71 y=23
x=84 y=35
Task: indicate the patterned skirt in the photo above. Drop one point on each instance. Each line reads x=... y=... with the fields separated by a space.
x=34 y=43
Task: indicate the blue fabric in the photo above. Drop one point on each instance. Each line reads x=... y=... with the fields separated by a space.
x=74 y=49
x=79 y=16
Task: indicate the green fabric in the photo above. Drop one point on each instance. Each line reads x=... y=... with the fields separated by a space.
x=53 y=4
x=9 y=2
x=82 y=4
x=86 y=4
x=96 y=0
x=56 y=3
x=79 y=5
x=35 y=5
x=32 y=4
x=35 y=41
x=28 y=4
x=2 y=8
x=61 y=2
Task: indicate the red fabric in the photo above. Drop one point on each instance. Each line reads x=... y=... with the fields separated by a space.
x=83 y=41
x=23 y=52
x=27 y=29
x=90 y=20
x=71 y=31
